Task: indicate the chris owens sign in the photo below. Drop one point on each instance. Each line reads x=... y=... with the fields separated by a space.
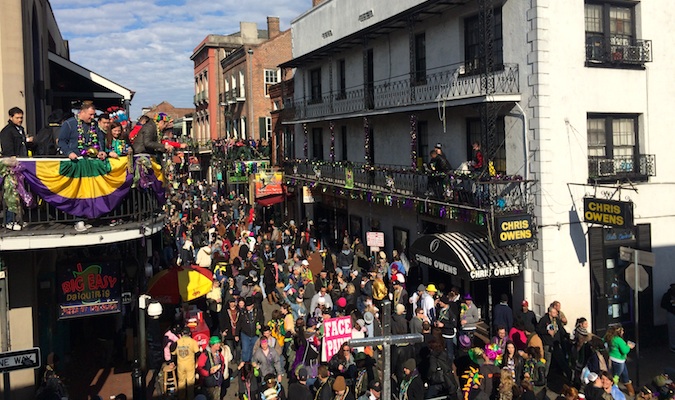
x=514 y=229
x=608 y=212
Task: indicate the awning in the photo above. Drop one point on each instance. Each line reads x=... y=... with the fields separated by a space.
x=71 y=82
x=465 y=253
x=270 y=200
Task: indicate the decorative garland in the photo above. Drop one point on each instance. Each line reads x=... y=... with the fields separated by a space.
x=366 y=133
x=93 y=144
x=305 y=145
x=413 y=141
x=332 y=142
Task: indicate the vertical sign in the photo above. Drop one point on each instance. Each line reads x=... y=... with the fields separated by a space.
x=335 y=332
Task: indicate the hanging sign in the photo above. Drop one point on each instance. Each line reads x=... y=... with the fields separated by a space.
x=375 y=239
x=349 y=177
x=608 y=212
x=268 y=183
x=513 y=229
x=88 y=289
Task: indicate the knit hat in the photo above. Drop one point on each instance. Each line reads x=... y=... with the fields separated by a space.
x=342 y=302
x=421 y=287
x=525 y=303
x=581 y=331
x=410 y=364
x=339 y=384
x=214 y=340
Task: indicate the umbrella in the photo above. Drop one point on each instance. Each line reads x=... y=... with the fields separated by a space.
x=186 y=283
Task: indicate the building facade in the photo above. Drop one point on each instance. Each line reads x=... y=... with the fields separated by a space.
x=567 y=103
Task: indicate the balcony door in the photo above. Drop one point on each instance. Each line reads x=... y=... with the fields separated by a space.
x=369 y=79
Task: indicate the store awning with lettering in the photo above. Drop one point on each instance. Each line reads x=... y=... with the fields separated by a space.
x=467 y=254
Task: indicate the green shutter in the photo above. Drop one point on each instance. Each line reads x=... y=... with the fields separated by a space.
x=262 y=124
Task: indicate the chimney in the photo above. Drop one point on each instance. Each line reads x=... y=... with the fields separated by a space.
x=273 y=27
x=316 y=2
x=249 y=31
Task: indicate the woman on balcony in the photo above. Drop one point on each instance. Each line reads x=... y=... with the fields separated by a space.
x=116 y=144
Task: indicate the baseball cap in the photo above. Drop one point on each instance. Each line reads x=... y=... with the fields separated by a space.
x=302 y=374
x=375 y=385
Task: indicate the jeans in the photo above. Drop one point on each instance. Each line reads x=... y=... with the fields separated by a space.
x=620 y=370
x=247 y=343
x=345 y=271
x=450 y=349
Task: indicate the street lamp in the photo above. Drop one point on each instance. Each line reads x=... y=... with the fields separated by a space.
x=153 y=309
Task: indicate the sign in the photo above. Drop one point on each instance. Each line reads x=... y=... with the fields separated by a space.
x=233 y=178
x=307 y=196
x=336 y=331
x=126 y=298
x=513 y=229
x=349 y=177
x=644 y=258
x=21 y=359
x=375 y=239
x=268 y=183
x=88 y=290
x=643 y=277
x=608 y=212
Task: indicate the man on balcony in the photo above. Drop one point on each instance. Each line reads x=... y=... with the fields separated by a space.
x=148 y=139
x=80 y=135
x=438 y=168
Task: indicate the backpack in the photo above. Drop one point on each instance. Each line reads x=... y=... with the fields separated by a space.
x=45 y=140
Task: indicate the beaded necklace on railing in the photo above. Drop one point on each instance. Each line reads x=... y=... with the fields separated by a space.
x=93 y=139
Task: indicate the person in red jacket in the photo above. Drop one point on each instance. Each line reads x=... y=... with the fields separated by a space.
x=211 y=368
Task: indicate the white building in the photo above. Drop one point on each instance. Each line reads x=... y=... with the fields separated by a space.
x=579 y=111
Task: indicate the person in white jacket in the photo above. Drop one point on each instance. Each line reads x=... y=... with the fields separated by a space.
x=204 y=257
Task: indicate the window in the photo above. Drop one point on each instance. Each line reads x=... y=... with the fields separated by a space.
x=343 y=142
x=268 y=125
x=420 y=73
x=315 y=85
x=474 y=59
x=342 y=81
x=613 y=147
x=422 y=143
x=317 y=143
x=610 y=35
x=271 y=77
x=242 y=86
x=475 y=134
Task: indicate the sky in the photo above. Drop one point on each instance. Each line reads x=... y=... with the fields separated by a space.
x=145 y=45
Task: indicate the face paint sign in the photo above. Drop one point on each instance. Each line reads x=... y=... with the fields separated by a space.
x=336 y=331
x=88 y=290
x=608 y=212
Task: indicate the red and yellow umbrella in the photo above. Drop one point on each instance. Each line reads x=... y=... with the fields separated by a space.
x=186 y=283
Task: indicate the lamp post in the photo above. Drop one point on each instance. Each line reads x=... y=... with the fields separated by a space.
x=153 y=309
x=249 y=98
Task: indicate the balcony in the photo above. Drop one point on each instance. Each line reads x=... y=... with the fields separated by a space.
x=52 y=203
x=448 y=83
x=622 y=168
x=617 y=51
x=463 y=190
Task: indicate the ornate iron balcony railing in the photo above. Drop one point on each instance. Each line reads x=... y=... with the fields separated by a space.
x=618 y=50
x=458 y=189
x=446 y=83
x=637 y=167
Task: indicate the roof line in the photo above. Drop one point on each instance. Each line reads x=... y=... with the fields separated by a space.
x=92 y=76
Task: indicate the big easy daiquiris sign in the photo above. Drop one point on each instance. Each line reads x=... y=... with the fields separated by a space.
x=89 y=289
x=608 y=212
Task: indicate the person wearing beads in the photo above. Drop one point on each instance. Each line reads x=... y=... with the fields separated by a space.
x=115 y=141
x=79 y=136
x=149 y=137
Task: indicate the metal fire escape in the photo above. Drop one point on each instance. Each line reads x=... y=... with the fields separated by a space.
x=489 y=109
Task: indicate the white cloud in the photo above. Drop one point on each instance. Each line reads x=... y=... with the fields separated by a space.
x=145 y=45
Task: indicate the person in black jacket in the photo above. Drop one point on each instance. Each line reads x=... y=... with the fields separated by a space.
x=13 y=137
x=149 y=140
x=552 y=333
x=299 y=390
x=439 y=376
x=447 y=322
x=411 y=387
x=248 y=327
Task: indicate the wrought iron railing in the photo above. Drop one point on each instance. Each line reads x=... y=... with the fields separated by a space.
x=637 y=167
x=396 y=180
x=445 y=83
x=618 y=50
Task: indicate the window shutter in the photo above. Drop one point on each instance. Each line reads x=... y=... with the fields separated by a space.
x=597 y=265
x=262 y=124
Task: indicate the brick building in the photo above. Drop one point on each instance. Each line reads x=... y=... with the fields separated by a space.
x=168 y=109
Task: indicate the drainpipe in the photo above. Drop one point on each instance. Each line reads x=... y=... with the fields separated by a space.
x=249 y=95
x=527 y=271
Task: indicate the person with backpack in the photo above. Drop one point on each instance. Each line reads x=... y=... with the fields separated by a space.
x=439 y=376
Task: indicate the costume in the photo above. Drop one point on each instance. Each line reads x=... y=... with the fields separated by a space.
x=13 y=141
x=186 y=348
x=69 y=137
x=148 y=139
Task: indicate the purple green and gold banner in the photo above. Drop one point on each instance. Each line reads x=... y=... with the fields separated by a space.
x=90 y=188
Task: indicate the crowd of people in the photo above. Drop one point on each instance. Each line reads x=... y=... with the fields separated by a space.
x=270 y=300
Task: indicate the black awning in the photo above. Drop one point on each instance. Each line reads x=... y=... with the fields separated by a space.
x=469 y=254
x=71 y=82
